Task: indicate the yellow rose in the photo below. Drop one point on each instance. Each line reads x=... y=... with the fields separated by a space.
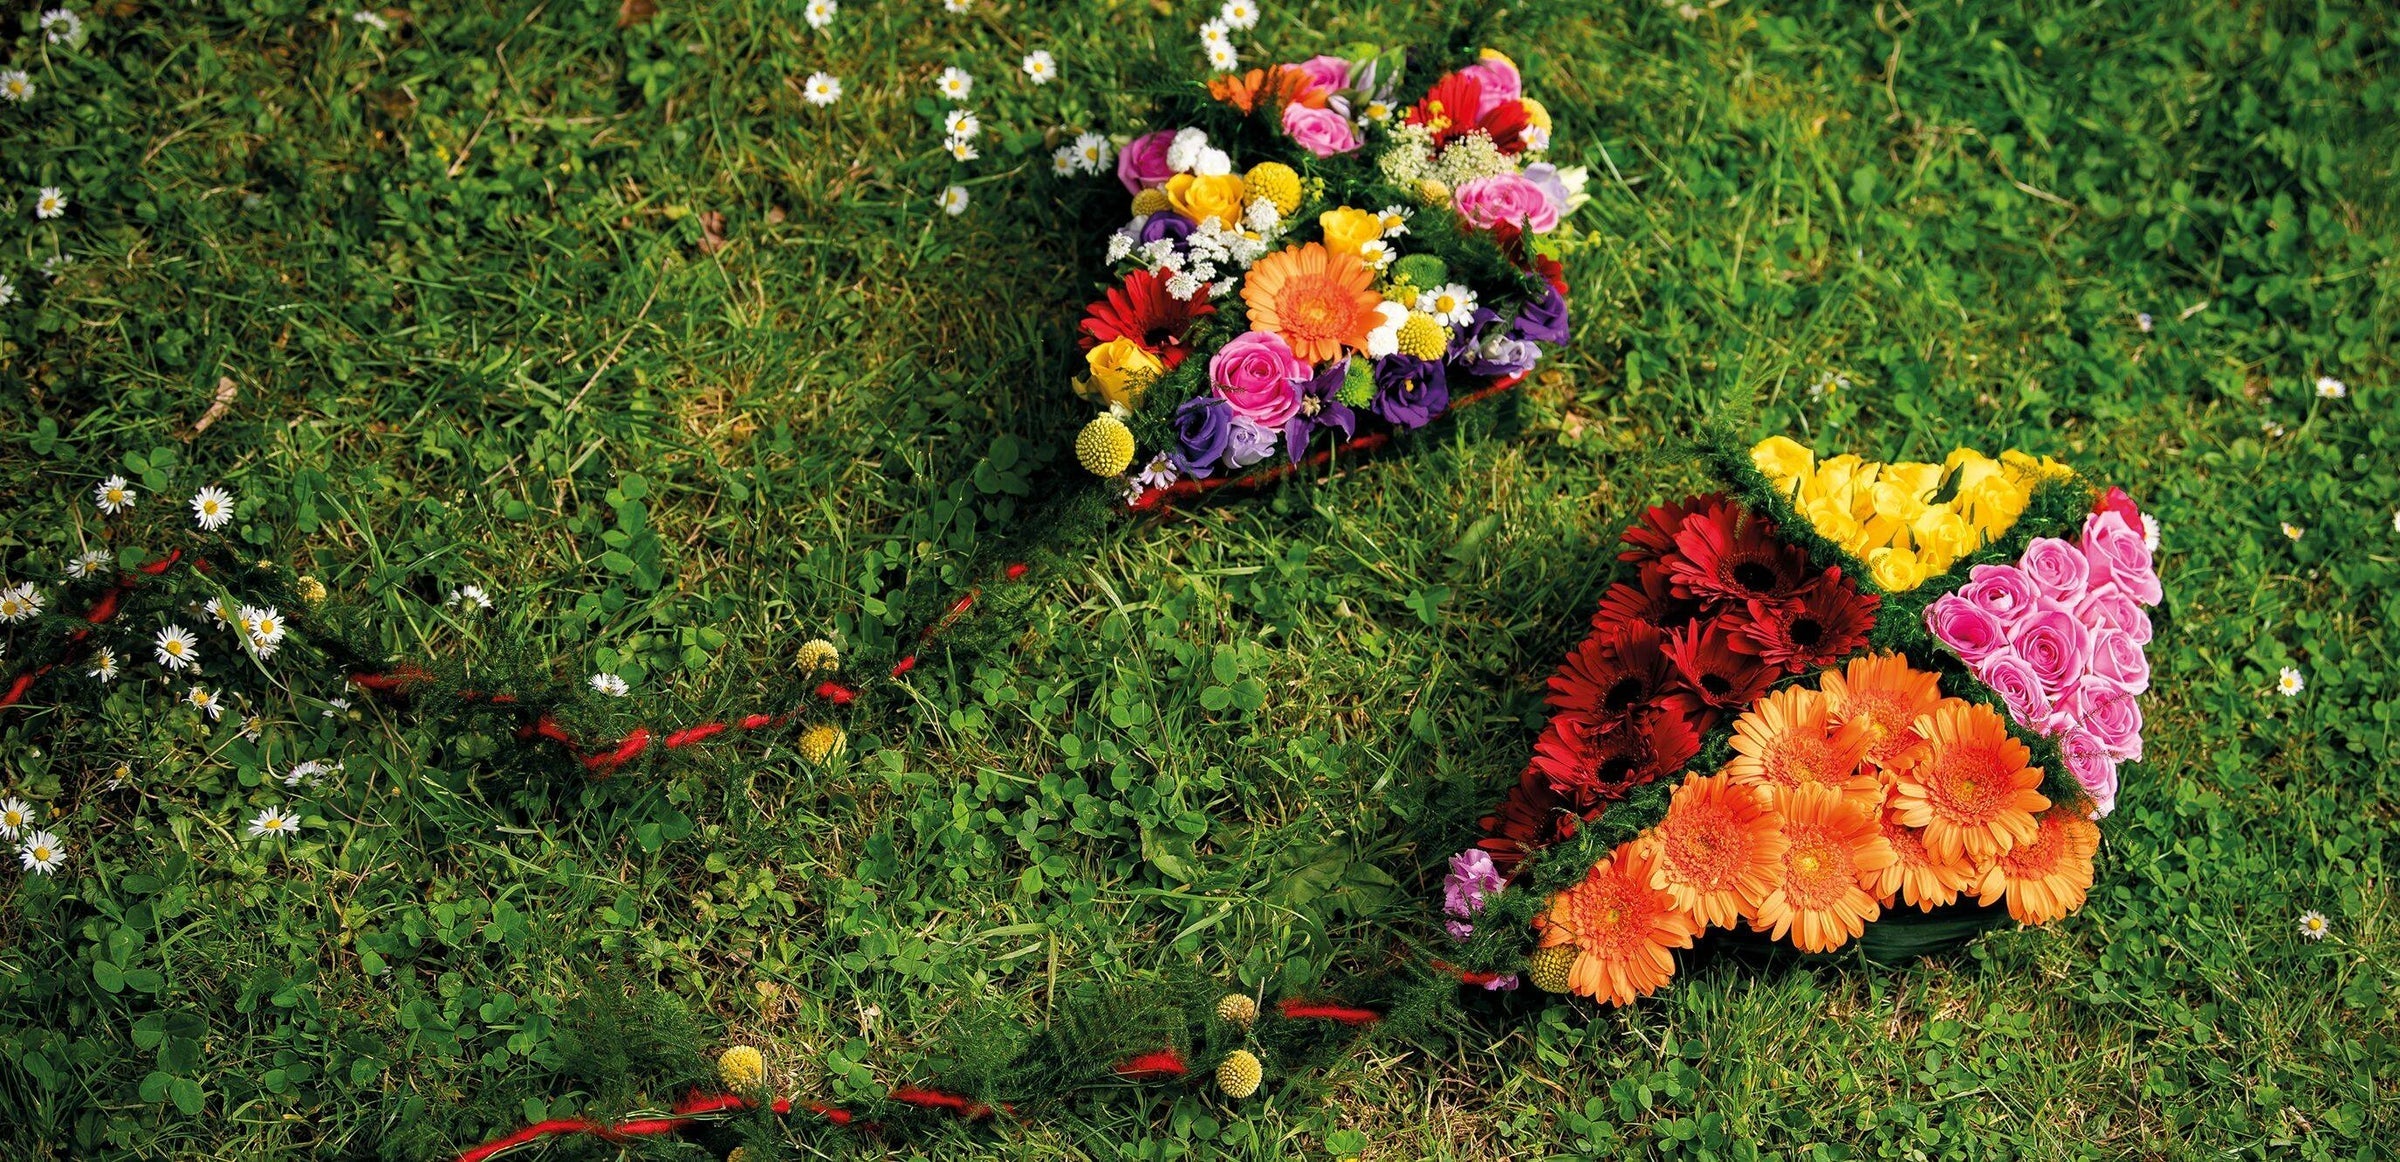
x=1896 y=570
x=1202 y=198
x=1346 y=229
x=1944 y=536
x=1121 y=369
x=1783 y=460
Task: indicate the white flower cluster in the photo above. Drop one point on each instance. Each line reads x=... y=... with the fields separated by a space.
x=37 y=851
x=1090 y=153
x=1216 y=36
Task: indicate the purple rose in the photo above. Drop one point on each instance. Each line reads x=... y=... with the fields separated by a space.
x=2113 y=715
x=1250 y=442
x=1968 y=629
x=1505 y=198
x=2116 y=553
x=1323 y=132
x=1321 y=407
x=2116 y=658
x=2017 y=685
x=2110 y=607
x=1472 y=877
x=1203 y=430
x=1409 y=392
x=1258 y=375
x=1326 y=74
x=2056 y=568
x=1166 y=224
x=1544 y=320
x=1143 y=161
x=2087 y=759
x=1499 y=80
x=2056 y=647
x=2004 y=590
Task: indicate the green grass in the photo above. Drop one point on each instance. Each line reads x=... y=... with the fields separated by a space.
x=455 y=272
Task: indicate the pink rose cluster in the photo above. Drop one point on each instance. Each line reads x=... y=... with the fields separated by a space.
x=2059 y=637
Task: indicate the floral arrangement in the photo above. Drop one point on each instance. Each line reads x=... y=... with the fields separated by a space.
x=1836 y=703
x=1308 y=255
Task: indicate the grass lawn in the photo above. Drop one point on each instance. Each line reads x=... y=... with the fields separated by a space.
x=605 y=318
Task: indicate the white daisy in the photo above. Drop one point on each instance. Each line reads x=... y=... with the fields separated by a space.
x=1093 y=152
x=820 y=13
x=821 y=89
x=1040 y=67
x=42 y=852
x=2288 y=683
x=15 y=815
x=371 y=19
x=120 y=775
x=50 y=203
x=337 y=706
x=1223 y=59
x=1536 y=138
x=1395 y=220
x=469 y=597
x=312 y=772
x=20 y=601
x=214 y=607
x=2144 y=321
x=954 y=83
x=2396 y=520
x=264 y=626
x=1063 y=162
x=2313 y=925
x=177 y=648
x=1377 y=253
x=1451 y=303
x=2292 y=530
x=206 y=702
x=962 y=124
x=2150 y=530
x=953 y=201
x=610 y=684
x=1242 y=14
x=90 y=563
x=958 y=5
x=8 y=291
x=1214 y=34
x=211 y=508
x=1377 y=112
x=2330 y=388
x=961 y=149
x=61 y=25
x=104 y=665
x=113 y=496
x=2271 y=428
x=254 y=727
x=15 y=86
x=274 y=823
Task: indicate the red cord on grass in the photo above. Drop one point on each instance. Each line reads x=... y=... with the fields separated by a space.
x=836 y=693
x=691 y=734
x=626 y=751
x=935 y=1099
x=904 y=665
x=1017 y=571
x=1154 y=1064
x=1345 y=1014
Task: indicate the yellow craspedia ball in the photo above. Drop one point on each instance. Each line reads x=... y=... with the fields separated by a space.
x=1433 y=192
x=817 y=654
x=1238 y=1075
x=739 y=1154
x=312 y=590
x=1277 y=183
x=819 y=743
x=1237 y=1009
x=1150 y=201
x=1551 y=969
x=1104 y=447
x=742 y=1068
x=1423 y=338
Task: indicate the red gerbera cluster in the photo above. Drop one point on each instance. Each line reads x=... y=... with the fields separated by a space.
x=1144 y=312
x=1720 y=606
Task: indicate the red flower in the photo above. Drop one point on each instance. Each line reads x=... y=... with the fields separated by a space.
x=1589 y=766
x=1615 y=675
x=1704 y=657
x=2114 y=500
x=1653 y=537
x=1529 y=818
x=1725 y=554
x=1144 y=312
x=1647 y=601
x=1828 y=618
x=1450 y=105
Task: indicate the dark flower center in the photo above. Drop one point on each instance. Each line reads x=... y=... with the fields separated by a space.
x=1615 y=769
x=1715 y=685
x=1626 y=694
x=1807 y=632
x=1754 y=576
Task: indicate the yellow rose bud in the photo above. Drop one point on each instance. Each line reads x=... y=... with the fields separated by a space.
x=1783 y=459
x=1121 y=370
x=1896 y=570
x=1202 y=198
x=1346 y=229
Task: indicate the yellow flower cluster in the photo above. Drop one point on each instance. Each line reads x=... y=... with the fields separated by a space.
x=1887 y=515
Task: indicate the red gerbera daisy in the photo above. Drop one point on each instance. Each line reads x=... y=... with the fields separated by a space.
x=1529 y=818
x=1614 y=675
x=1704 y=657
x=1814 y=627
x=1653 y=536
x=1589 y=766
x=1144 y=312
x=1450 y=108
x=1730 y=555
x=1648 y=600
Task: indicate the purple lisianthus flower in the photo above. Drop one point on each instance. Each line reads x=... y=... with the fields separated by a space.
x=1203 y=431
x=1250 y=442
x=1472 y=877
x=1409 y=392
x=1492 y=352
x=1166 y=224
x=1320 y=407
x=1543 y=320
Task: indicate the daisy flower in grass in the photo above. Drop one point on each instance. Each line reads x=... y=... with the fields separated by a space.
x=60 y=25
x=2312 y=923
x=2293 y=531
x=1974 y=791
x=961 y=149
x=216 y=610
x=820 y=13
x=2287 y=683
x=468 y=597
x=42 y=852
x=274 y=823
x=958 y=6
x=610 y=684
x=265 y=627
x=1889 y=695
x=1790 y=740
x=1214 y=34
x=1717 y=851
x=15 y=815
x=1040 y=67
x=953 y=200
x=821 y=89
x=211 y=508
x=104 y=665
x=177 y=648
x=1242 y=14
x=49 y=203
x=371 y=19
x=954 y=83
x=1093 y=152
x=20 y=601
x=15 y=86
x=113 y=496
x=1064 y=162
x=2330 y=388
x=1318 y=300
x=962 y=123
x=1823 y=895
x=2047 y=876
x=206 y=702
x=8 y=291
x=91 y=563
x=1916 y=876
x=1223 y=59
x=1620 y=927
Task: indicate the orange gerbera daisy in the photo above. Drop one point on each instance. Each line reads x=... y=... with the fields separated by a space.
x=1790 y=740
x=1717 y=850
x=1885 y=692
x=2047 y=876
x=1319 y=301
x=1973 y=792
x=1835 y=856
x=1272 y=88
x=1621 y=928
x=1917 y=875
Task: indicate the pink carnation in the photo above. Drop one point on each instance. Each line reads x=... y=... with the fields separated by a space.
x=1320 y=131
x=1970 y=630
x=1505 y=198
x=2115 y=552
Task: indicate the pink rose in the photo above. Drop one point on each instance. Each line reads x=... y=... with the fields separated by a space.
x=2017 y=685
x=2087 y=759
x=1143 y=161
x=2113 y=715
x=1320 y=131
x=2002 y=590
x=2055 y=647
x=1968 y=629
x=1505 y=198
x=1258 y=375
x=1327 y=74
x=2116 y=658
x=2110 y=607
x=2056 y=568
x=1500 y=82
x=2116 y=552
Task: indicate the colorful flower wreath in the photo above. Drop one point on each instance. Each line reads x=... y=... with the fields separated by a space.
x=1368 y=262
x=1837 y=692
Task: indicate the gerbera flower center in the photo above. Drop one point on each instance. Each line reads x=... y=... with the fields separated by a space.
x=1820 y=871
x=1626 y=694
x=1717 y=685
x=1753 y=576
x=1316 y=311
x=1807 y=631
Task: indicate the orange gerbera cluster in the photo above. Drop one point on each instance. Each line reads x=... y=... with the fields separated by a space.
x=1841 y=801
